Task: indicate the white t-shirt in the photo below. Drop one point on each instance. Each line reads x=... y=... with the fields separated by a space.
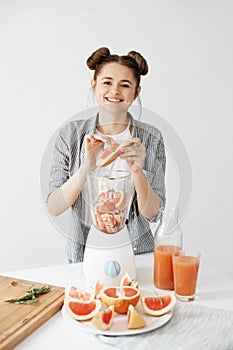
x=120 y=164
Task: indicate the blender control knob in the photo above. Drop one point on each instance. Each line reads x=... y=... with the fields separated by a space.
x=112 y=268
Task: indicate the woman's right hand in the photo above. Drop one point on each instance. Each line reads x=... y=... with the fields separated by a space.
x=94 y=144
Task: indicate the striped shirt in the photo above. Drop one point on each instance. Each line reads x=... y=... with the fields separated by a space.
x=69 y=152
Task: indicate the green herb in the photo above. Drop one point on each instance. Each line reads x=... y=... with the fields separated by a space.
x=32 y=295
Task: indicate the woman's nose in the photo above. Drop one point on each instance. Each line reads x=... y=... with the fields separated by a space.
x=114 y=90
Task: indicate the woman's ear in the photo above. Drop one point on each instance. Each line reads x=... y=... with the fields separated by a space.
x=93 y=84
x=138 y=90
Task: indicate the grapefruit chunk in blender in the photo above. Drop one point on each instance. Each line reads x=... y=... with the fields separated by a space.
x=108 y=210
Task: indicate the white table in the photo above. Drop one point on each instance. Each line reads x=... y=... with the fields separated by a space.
x=214 y=290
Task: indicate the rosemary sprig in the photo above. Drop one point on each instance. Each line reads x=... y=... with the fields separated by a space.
x=32 y=295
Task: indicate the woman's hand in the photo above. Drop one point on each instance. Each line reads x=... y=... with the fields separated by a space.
x=134 y=154
x=94 y=144
x=148 y=200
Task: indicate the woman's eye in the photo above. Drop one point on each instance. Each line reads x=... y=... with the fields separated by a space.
x=107 y=82
x=125 y=85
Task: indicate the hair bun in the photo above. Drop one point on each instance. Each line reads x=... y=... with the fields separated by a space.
x=141 y=62
x=97 y=57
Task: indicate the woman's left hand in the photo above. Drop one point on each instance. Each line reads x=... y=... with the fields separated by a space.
x=135 y=153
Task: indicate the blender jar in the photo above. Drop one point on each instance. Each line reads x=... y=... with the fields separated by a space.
x=110 y=196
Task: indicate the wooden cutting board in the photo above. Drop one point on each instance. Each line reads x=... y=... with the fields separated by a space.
x=17 y=321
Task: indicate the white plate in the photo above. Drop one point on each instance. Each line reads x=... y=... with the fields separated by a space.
x=119 y=326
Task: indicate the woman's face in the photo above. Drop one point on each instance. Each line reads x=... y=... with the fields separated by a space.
x=115 y=87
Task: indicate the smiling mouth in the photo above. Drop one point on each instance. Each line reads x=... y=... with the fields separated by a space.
x=113 y=100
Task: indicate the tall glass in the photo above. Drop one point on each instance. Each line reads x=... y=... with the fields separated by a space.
x=185 y=269
x=168 y=239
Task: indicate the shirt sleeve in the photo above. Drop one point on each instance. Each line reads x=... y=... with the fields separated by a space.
x=154 y=171
x=59 y=172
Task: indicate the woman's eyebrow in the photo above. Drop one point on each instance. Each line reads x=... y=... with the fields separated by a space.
x=126 y=81
x=123 y=80
x=106 y=78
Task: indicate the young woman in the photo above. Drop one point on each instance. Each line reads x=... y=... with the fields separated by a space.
x=115 y=84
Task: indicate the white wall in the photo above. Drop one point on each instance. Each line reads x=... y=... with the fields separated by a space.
x=44 y=81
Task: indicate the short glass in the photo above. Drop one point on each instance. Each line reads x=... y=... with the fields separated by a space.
x=185 y=271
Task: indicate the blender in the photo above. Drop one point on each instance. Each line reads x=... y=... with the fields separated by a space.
x=108 y=253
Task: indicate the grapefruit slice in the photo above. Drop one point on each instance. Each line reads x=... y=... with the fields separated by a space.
x=108 y=210
x=110 y=200
x=73 y=292
x=82 y=311
x=119 y=198
x=98 y=288
x=134 y=318
x=120 y=297
x=126 y=280
x=110 y=154
x=104 y=318
x=158 y=306
x=110 y=223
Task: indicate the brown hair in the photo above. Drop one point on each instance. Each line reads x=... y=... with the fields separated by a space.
x=133 y=60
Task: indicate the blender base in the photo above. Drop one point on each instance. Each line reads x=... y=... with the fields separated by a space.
x=108 y=257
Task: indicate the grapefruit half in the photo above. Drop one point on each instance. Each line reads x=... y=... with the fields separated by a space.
x=120 y=297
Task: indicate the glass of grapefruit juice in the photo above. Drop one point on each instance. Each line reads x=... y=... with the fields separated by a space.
x=163 y=270
x=185 y=271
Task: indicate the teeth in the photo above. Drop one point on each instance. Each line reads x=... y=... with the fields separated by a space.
x=112 y=99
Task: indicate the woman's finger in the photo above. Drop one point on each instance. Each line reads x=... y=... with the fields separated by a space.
x=103 y=138
x=134 y=140
x=134 y=150
x=135 y=153
x=98 y=138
